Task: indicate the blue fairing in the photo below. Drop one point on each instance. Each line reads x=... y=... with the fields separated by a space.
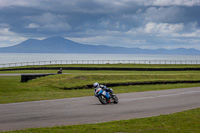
x=100 y=92
x=107 y=94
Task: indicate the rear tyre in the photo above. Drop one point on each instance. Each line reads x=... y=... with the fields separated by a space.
x=102 y=99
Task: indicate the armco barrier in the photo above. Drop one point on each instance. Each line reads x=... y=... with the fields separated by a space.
x=27 y=77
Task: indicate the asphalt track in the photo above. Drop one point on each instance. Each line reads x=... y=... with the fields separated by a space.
x=89 y=110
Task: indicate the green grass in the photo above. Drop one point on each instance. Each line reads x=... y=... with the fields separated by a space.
x=97 y=72
x=141 y=88
x=82 y=80
x=12 y=90
x=28 y=71
x=182 y=122
x=52 y=87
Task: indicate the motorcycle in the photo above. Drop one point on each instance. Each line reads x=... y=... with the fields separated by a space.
x=105 y=97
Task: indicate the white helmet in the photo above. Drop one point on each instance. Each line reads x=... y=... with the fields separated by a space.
x=95 y=85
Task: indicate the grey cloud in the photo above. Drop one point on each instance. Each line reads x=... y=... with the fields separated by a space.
x=164 y=14
x=95 y=19
x=49 y=22
x=169 y=2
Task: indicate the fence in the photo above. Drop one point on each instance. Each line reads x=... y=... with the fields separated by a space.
x=100 y=62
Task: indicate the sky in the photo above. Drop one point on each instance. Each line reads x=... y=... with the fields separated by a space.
x=147 y=24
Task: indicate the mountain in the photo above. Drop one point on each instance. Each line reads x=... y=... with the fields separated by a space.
x=62 y=45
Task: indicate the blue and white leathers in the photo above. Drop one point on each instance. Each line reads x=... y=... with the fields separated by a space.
x=100 y=91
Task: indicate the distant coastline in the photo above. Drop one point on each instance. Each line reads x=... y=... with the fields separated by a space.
x=62 y=45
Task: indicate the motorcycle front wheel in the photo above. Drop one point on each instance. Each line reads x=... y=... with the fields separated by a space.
x=115 y=99
x=102 y=99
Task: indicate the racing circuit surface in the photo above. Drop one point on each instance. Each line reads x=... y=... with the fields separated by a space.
x=89 y=110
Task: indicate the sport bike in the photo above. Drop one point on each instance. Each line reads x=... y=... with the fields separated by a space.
x=105 y=97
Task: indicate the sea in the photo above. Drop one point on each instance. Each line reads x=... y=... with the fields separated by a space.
x=6 y=58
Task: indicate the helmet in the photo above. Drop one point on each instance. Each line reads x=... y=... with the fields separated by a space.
x=95 y=85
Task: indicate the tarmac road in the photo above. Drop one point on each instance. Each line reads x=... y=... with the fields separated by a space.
x=89 y=110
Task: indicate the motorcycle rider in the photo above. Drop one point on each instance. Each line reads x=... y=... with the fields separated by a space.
x=97 y=85
x=59 y=71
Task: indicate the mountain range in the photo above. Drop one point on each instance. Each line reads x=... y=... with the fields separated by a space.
x=62 y=45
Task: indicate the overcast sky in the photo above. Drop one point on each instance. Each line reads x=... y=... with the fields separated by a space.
x=148 y=24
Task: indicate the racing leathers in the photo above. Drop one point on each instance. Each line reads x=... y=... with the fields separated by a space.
x=107 y=89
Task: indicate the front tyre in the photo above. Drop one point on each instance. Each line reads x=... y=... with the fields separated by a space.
x=102 y=99
x=115 y=99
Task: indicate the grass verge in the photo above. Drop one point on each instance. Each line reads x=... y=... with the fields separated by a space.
x=182 y=122
x=12 y=90
x=51 y=87
x=82 y=80
x=98 y=72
